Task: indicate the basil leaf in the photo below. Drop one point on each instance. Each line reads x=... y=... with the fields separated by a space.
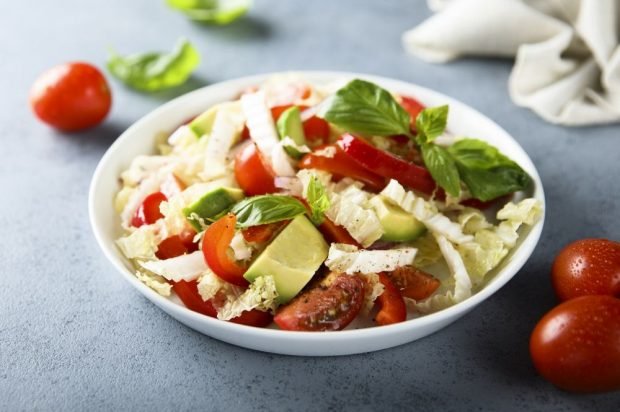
x=260 y=210
x=317 y=199
x=431 y=122
x=364 y=108
x=487 y=173
x=219 y=12
x=155 y=71
x=440 y=164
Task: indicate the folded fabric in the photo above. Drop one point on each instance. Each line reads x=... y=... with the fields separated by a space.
x=567 y=57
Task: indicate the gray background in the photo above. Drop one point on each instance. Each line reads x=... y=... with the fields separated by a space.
x=75 y=336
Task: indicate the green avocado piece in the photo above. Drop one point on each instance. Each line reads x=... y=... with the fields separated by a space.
x=289 y=124
x=291 y=258
x=203 y=123
x=212 y=205
x=398 y=225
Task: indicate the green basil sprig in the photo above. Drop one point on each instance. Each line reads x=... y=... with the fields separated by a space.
x=317 y=199
x=155 y=71
x=366 y=109
x=212 y=11
x=260 y=210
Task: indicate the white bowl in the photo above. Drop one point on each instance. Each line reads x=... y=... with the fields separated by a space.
x=139 y=139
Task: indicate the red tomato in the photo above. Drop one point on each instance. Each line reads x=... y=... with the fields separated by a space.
x=587 y=267
x=386 y=165
x=413 y=283
x=262 y=233
x=576 y=346
x=412 y=106
x=316 y=130
x=188 y=293
x=177 y=245
x=341 y=166
x=148 y=212
x=336 y=234
x=324 y=308
x=71 y=97
x=252 y=174
x=392 y=308
x=215 y=244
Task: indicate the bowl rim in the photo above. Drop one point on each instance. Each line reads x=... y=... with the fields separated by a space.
x=519 y=257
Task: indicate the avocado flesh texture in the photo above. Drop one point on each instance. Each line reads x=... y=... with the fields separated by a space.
x=212 y=205
x=203 y=123
x=289 y=124
x=292 y=258
x=397 y=224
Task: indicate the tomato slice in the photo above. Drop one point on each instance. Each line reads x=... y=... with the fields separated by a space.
x=412 y=106
x=341 y=165
x=262 y=233
x=215 y=244
x=336 y=234
x=392 y=308
x=252 y=174
x=324 y=308
x=148 y=212
x=188 y=293
x=413 y=283
x=177 y=245
x=387 y=165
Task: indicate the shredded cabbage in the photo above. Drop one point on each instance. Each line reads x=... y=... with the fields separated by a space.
x=373 y=289
x=241 y=249
x=185 y=267
x=261 y=295
x=155 y=282
x=224 y=133
x=426 y=212
x=346 y=209
x=211 y=285
x=142 y=242
x=349 y=259
x=428 y=250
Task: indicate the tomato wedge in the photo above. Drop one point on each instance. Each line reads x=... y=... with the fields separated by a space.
x=215 y=244
x=177 y=245
x=188 y=293
x=148 y=212
x=262 y=233
x=392 y=308
x=324 y=308
x=252 y=174
x=341 y=165
x=413 y=283
x=412 y=106
x=387 y=165
x=336 y=234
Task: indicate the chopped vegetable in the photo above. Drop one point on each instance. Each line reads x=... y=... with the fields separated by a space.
x=349 y=259
x=261 y=295
x=184 y=267
x=260 y=210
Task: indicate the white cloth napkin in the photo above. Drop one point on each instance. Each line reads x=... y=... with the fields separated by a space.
x=567 y=57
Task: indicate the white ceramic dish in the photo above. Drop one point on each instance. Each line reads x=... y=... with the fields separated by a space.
x=139 y=138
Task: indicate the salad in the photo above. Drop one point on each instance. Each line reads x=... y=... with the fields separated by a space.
x=317 y=207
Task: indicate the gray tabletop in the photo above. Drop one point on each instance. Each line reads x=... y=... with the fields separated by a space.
x=75 y=336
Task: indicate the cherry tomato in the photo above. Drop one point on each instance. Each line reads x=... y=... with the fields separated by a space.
x=148 y=212
x=392 y=308
x=341 y=165
x=587 y=267
x=316 y=130
x=252 y=174
x=576 y=346
x=412 y=106
x=336 y=234
x=177 y=245
x=324 y=308
x=413 y=283
x=386 y=165
x=71 y=97
x=262 y=233
x=215 y=244
x=188 y=293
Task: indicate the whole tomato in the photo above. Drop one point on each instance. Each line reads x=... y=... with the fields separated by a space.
x=587 y=267
x=71 y=97
x=576 y=346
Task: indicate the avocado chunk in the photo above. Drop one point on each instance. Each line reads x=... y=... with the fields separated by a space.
x=289 y=124
x=212 y=205
x=398 y=225
x=203 y=123
x=291 y=258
